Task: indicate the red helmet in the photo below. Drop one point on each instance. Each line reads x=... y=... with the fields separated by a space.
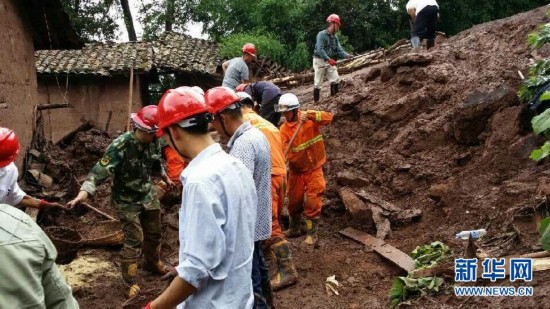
x=220 y=98
x=241 y=87
x=250 y=49
x=177 y=105
x=146 y=118
x=9 y=146
x=334 y=19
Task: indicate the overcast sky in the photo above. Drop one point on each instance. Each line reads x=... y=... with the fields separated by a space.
x=193 y=29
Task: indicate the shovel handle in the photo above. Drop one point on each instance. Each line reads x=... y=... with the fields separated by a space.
x=293 y=137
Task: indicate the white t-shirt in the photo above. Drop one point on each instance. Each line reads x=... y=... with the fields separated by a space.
x=10 y=193
x=418 y=5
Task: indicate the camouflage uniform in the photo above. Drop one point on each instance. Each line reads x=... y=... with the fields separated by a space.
x=130 y=164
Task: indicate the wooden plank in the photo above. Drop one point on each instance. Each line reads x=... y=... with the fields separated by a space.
x=398 y=257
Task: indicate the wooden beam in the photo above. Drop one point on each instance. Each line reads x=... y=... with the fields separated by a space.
x=52 y=106
x=398 y=257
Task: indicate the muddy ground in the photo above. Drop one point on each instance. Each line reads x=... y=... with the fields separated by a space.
x=447 y=136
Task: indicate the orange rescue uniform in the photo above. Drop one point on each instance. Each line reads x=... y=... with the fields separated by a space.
x=174 y=165
x=278 y=169
x=305 y=159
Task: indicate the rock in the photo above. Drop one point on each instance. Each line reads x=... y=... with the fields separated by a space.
x=411 y=59
x=41 y=179
x=471 y=120
x=437 y=192
x=372 y=74
x=386 y=74
x=346 y=178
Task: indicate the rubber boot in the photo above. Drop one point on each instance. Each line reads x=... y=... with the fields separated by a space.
x=415 y=42
x=286 y=272
x=333 y=89
x=430 y=44
x=316 y=94
x=294 y=226
x=311 y=231
x=152 y=260
x=129 y=274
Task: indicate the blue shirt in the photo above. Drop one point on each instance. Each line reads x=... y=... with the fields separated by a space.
x=263 y=92
x=250 y=145
x=328 y=46
x=216 y=222
x=236 y=72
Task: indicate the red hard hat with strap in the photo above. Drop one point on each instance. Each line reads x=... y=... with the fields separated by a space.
x=250 y=49
x=146 y=118
x=177 y=105
x=9 y=146
x=334 y=19
x=220 y=98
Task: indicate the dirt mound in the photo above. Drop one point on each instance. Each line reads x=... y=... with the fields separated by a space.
x=442 y=131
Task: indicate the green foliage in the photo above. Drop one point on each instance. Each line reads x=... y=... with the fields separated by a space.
x=165 y=82
x=403 y=287
x=155 y=16
x=540 y=37
x=428 y=255
x=265 y=45
x=92 y=19
x=541 y=123
x=544 y=231
x=424 y=256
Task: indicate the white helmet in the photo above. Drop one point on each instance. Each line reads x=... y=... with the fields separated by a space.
x=287 y=102
x=244 y=95
x=198 y=90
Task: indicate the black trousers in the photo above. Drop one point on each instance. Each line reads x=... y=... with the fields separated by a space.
x=425 y=23
x=267 y=111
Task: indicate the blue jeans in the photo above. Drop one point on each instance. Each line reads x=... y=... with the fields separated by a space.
x=260 y=277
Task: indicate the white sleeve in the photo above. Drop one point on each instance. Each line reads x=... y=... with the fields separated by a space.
x=11 y=193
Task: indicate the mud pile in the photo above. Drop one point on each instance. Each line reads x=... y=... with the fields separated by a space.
x=442 y=131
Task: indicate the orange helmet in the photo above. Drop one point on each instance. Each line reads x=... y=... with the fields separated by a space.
x=146 y=119
x=9 y=146
x=333 y=18
x=220 y=98
x=177 y=105
x=250 y=49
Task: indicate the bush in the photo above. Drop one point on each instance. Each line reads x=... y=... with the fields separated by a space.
x=266 y=45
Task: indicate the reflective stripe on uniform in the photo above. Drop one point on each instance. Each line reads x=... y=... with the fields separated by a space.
x=307 y=144
x=318 y=116
x=268 y=126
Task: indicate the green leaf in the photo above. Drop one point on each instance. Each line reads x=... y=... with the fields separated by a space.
x=545 y=96
x=541 y=122
x=397 y=292
x=544 y=230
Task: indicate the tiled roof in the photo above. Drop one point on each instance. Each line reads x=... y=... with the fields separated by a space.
x=96 y=59
x=172 y=52
x=180 y=52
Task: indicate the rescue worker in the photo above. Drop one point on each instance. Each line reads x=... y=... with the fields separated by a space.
x=286 y=274
x=424 y=15
x=305 y=157
x=327 y=49
x=217 y=215
x=267 y=95
x=10 y=193
x=236 y=70
x=249 y=145
x=130 y=161
x=30 y=277
x=175 y=165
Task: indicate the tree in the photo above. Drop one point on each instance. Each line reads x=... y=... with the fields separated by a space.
x=91 y=19
x=164 y=15
x=128 y=21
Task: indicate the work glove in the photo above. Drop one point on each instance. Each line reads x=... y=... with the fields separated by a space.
x=332 y=62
